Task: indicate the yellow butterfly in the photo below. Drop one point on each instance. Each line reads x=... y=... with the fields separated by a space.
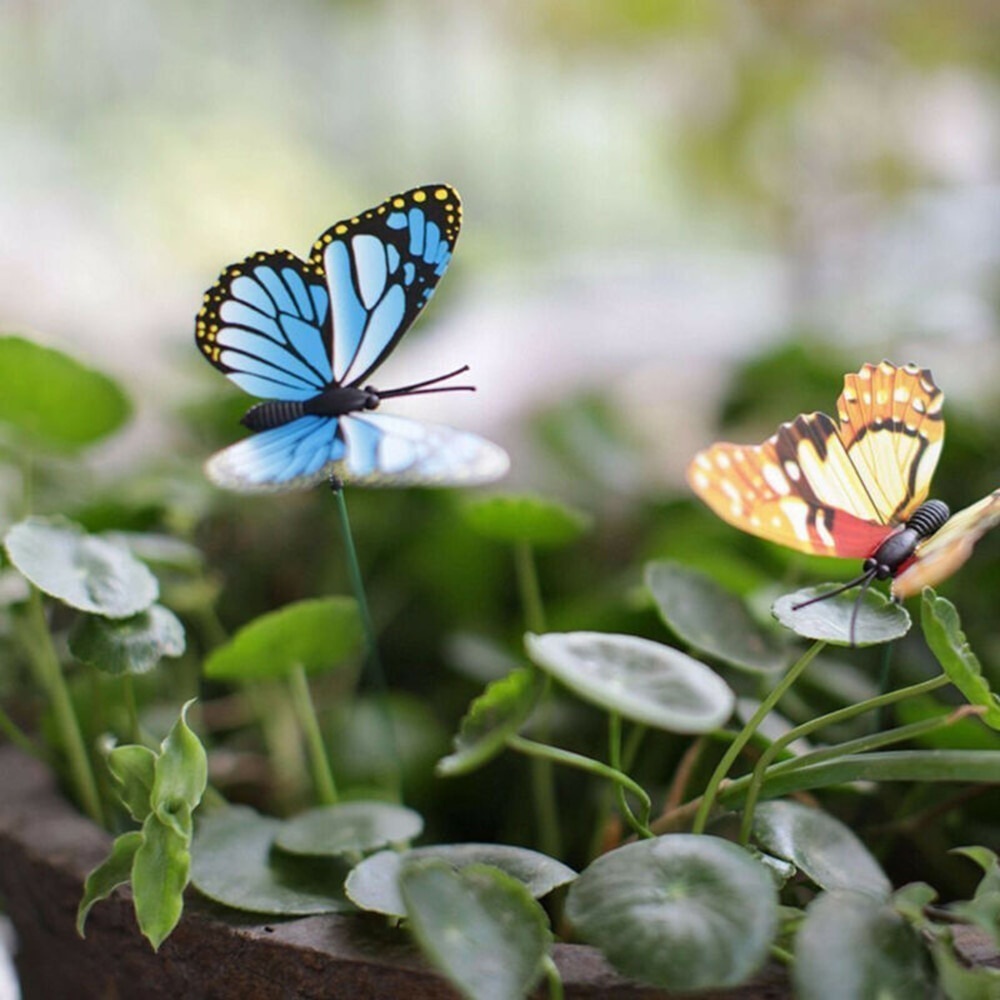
x=854 y=487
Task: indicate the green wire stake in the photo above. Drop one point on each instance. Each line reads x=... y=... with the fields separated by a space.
x=373 y=661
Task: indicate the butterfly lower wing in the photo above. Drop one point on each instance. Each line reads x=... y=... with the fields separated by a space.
x=262 y=324
x=293 y=456
x=386 y=450
x=892 y=429
x=382 y=268
x=947 y=549
x=798 y=489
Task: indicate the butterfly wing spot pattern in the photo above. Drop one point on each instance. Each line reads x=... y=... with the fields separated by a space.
x=855 y=487
x=305 y=335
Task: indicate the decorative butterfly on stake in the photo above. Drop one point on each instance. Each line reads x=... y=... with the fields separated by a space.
x=304 y=336
x=854 y=487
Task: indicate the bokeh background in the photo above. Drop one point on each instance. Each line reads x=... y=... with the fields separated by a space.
x=655 y=190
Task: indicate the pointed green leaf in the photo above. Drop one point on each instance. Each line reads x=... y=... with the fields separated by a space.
x=680 y=911
x=878 y=618
x=851 y=945
x=478 y=926
x=160 y=871
x=234 y=865
x=943 y=634
x=349 y=828
x=81 y=570
x=536 y=520
x=499 y=712
x=313 y=634
x=642 y=680
x=181 y=775
x=113 y=871
x=134 y=770
x=127 y=645
x=820 y=846
x=52 y=400
x=374 y=883
x=712 y=620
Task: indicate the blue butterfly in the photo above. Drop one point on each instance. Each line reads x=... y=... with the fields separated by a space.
x=305 y=335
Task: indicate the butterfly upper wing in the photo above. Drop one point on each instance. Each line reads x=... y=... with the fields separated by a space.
x=827 y=488
x=892 y=428
x=382 y=268
x=262 y=324
x=947 y=549
x=372 y=449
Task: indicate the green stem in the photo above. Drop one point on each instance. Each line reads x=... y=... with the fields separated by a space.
x=528 y=587
x=375 y=672
x=45 y=663
x=568 y=758
x=745 y=734
x=821 y=722
x=615 y=760
x=128 y=696
x=17 y=735
x=551 y=971
x=305 y=710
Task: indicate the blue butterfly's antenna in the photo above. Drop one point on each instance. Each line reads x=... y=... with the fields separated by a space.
x=421 y=388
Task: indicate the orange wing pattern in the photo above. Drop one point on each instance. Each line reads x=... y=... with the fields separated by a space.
x=827 y=488
x=948 y=548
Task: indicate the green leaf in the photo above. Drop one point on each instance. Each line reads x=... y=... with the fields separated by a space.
x=851 y=945
x=374 y=883
x=181 y=776
x=159 y=876
x=127 y=645
x=160 y=550
x=314 y=634
x=349 y=828
x=52 y=400
x=983 y=909
x=958 y=982
x=943 y=634
x=642 y=680
x=134 y=770
x=499 y=712
x=81 y=570
x=113 y=871
x=879 y=619
x=536 y=520
x=234 y=865
x=820 y=846
x=478 y=926
x=680 y=911
x=711 y=620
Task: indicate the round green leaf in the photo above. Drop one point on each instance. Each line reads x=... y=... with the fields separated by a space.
x=478 y=926
x=349 y=828
x=52 y=400
x=374 y=883
x=541 y=522
x=879 y=619
x=680 y=911
x=642 y=680
x=127 y=645
x=314 y=634
x=851 y=945
x=233 y=864
x=943 y=634
x=500 y=711
x=160 y=550
x=81 y=570
x=820 y=846
x=712 y=620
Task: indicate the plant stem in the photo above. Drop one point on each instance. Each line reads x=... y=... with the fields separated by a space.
x=128 y=696
x=17 y=735
x=543 y=783
x=567 y=757
x=885 y=670
x=48 y=672
x=375 y=672
x=552 y=975
x=745 y=734
x=615 y=759
x=864 y=743
x=305 y=710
